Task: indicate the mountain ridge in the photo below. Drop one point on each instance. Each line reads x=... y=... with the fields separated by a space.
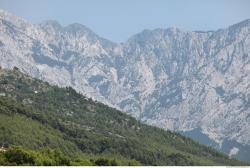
x=165 y=77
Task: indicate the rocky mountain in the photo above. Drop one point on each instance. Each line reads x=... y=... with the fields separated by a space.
x=197 y=83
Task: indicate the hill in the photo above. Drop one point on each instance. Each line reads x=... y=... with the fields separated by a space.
x=38 y=116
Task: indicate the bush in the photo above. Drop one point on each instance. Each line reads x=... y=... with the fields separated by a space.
x=18 y=156
x=105 y=162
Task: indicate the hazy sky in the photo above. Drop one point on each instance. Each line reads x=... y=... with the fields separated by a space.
x=117 y=20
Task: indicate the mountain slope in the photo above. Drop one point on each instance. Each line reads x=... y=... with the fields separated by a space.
x=181 y=81
x=44 y=116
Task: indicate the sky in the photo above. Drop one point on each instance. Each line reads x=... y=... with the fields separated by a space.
x=117 y=20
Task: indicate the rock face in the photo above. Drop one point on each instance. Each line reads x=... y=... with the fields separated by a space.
x=172 y=79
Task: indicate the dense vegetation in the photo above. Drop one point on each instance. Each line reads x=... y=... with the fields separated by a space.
x=47 y=157
x=60 y=121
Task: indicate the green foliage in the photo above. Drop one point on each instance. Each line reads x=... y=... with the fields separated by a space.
x=17 y=156
x=104 y=162
x=37 y=116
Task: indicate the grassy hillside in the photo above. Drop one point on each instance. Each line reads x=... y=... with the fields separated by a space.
x=37 y=116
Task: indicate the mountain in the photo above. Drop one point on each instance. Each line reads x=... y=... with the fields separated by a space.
x=195 y=83
x=37 y=116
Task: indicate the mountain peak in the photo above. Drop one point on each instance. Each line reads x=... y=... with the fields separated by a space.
x=174 y=29
x=78 y=28
x=51 y=25
x=4 y=13
x=243 y=23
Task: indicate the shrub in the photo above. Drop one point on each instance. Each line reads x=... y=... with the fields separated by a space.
x=18 y=156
